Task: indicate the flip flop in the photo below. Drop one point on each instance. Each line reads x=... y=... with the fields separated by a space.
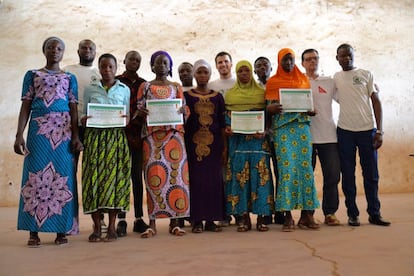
x=148 y=233
x=95 y=237
x=177 y=231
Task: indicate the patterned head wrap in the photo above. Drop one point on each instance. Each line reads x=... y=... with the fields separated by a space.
x=245 y=96
x=282 y=79
x=52 y=38
x=201 y=63
x=159 y=53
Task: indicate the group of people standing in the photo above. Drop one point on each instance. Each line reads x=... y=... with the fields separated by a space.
x=201 y=170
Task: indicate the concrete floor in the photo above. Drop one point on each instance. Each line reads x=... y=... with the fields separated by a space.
x=342 y=250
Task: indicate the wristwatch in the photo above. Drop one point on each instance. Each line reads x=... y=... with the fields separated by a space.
x=379 y=131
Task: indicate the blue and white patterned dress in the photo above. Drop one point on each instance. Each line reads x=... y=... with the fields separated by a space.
x=48 y=199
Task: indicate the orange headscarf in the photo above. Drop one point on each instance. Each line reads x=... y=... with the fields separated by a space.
x=282 y=79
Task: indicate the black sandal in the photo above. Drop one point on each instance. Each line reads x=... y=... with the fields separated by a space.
x=61 y=239
x=212 y=227
x=198 y=228
x=34 y=240
x=244 y=223
x=261 y=226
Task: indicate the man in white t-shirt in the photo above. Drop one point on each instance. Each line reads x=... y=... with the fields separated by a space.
x=359 y=103
x=323 y=130
x=85 y=73
x=226 y=80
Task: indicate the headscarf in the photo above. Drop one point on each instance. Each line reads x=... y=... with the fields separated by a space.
x=201 y=63
x=243 y=97
x=282 y=79
x=52 y=38
x=159 y=53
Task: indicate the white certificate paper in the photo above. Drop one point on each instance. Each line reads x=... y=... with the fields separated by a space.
x=164 y=112
x=296 y=100
x=247 y=122
x=106 y=115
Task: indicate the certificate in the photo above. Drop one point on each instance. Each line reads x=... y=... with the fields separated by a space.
x=164 y=112
x=106 y=115
x=247 y=122
x=296 y=100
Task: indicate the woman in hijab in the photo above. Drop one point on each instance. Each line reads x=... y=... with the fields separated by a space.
x=204 y=138
x=293 y=146
x=165 y=158
x=249 y=184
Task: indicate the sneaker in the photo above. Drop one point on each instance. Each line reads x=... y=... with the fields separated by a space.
x=353 y=221
x=331 y=220
x=378 y=220
x=140 y=226
x=121 y=228
x=104 y=228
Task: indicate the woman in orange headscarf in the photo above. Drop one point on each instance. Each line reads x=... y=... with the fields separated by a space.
x=293 y=147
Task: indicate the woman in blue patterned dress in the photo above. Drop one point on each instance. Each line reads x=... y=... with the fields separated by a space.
x=249 y=183
x=48 y=199
x=293 y=146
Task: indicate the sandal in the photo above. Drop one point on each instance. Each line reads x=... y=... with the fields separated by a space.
x=212 y=227
x=34 y=240
x=148 y=233
x=198 y=228
x=61 y=239
x=244 y=223
x=176 y=231
x=289 y=225
x=261 y=226
x=95 y=237
x=111 y=236
x=308 y=225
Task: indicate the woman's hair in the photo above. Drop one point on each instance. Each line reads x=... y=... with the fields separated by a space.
x=107 y=55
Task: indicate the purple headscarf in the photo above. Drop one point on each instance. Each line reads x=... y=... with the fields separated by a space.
x=159 y=53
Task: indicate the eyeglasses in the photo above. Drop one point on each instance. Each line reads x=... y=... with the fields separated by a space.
x=311 y=58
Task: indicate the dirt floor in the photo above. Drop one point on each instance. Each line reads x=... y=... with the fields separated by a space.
x=341 y=250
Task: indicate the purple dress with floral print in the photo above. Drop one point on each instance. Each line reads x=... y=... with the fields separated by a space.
x=48 y=199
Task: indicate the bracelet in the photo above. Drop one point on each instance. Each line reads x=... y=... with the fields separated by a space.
x=379 y=132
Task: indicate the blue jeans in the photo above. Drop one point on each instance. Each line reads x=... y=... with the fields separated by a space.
x=329 y=159
x=348 y=142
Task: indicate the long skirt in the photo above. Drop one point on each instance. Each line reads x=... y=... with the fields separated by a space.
x=296 y=187
x=106 y=170
x=166 y=175
x=49 y=198
x=249 y=183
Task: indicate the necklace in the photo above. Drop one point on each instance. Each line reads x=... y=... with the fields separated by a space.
x=51 y=71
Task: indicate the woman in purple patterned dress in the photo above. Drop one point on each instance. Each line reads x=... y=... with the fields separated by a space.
x=48 y=199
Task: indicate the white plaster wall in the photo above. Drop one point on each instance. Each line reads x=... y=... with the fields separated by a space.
x=380 y=30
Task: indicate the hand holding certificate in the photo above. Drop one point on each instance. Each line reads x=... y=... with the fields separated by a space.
x=247 y=122
x=296 y=100
x=164 y=112
x=106 y=115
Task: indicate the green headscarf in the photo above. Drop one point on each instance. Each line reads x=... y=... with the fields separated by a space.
x=244 y=97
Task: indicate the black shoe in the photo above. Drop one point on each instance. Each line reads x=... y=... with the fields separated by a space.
x=140 y=226
x=353 y=221
x=121 y=228
x=378 y=220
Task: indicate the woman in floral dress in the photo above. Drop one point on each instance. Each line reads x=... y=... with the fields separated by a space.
x=48 y=199
x=165 y=158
